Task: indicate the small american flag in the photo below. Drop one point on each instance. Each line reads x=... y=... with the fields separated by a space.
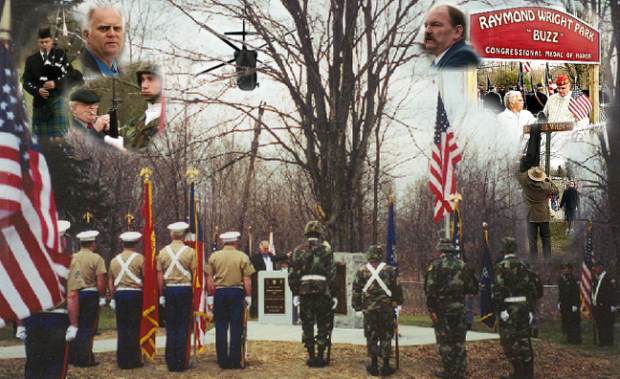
x=585 y=284
x=446 y=155
x=580 y=105
x=31 y=265
x=526 y=67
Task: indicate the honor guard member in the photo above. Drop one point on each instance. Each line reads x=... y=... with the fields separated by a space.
x=603 y=304
x=93 y=271
x=47 y=334
x=448 y=279
x=515 y=298
x=229 y=274
x=176 y=264
x=312 y=278
x=377 y=292
x=568 y=304
x=125 y=284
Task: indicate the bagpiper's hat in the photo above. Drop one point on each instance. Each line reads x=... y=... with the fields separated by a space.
x=562 y=80
x=85 y=96
x=231 y=236
x=536 y=174
x=130 y=236
x=87 y=235
x=63 y=226
x=178 y=227
x=44 y=33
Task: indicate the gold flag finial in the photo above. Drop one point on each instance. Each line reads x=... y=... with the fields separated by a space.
x=146 y=174
x=88 y=217
x=319 y=212
x=129 y=217
x=191 y=174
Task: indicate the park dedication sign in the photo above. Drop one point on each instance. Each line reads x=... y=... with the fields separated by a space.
x=534 y=33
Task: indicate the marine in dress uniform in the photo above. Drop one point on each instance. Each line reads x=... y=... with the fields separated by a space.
x=312 y=278
x=229 y=279
x=125 y=284
x=377 y=293
x=603 y=304
x=46 y=334
x=515 y=297
x=568 y=304
x=448 y=279
x=93 y=271
x=176 y=264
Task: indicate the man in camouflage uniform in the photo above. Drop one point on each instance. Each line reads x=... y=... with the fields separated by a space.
x=376 y=292
x=447 y=282
x=568 y=304
x=534 y=278
x=312 y=274
x=515 y=294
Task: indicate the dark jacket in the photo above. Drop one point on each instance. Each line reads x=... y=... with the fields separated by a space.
x=536 y=197
x=536 y=102
x=34 y=70
x=570 y=199
x=459 y=55
x=259 y=263
x=606 y=296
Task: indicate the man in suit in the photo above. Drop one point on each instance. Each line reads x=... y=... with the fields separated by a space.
x=104 y=36
x=445 y=39
x=264 y=260
x=603 y=304
x=43 y=78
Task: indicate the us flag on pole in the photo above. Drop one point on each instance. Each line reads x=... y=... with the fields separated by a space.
x=525 y=67
x=579 y=105
x=585 y=284
x=446 y=155
x=31 y=265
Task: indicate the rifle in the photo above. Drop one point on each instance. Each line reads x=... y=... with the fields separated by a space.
x=113 y=132
x=244 y=337
x=396 y=349
x=329 y=340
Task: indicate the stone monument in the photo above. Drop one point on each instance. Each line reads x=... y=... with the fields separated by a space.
x=275 y=299
x=347 y=265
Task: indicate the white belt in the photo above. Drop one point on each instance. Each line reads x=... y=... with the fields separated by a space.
x=128 y=289
x=313 y=277
x=57 y=310
x=515 y=299
x=178 y=285
x=89 y=289
x=218 y=287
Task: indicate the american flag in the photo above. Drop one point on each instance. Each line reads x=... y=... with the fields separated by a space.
x=31 y=264
x=446 y=155
x=585 y=284
x=525 y=67
x=580 y=105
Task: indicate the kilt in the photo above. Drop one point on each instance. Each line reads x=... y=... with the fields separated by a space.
x=50 y=119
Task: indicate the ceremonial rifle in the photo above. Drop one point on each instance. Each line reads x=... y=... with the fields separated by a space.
x=113 y=132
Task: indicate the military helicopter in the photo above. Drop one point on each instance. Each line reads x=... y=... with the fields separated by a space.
x=244 y=59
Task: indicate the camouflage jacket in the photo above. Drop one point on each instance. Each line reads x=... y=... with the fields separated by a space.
x=375 y=298
x=312 y=258
x=513 y=279
x=136 y=135
x=447 y=281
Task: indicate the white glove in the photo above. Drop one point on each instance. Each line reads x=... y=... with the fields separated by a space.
x=612 y=308
x=359 y=314
x=210 y=301
x=102 y=301
x=531 y=317
x=295 y=301
x=397 y=310
x=162 y=301
x=248 y=301
x=21 y=333
x=71 y=333
x=574 y=308
x=335 y=303
x=116 y=142
x=504 y=315
x=113 y=304
x=559 y=307
x=2 y=323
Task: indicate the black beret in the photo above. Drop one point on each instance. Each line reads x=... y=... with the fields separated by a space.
x=85 y=96
x=45 y=33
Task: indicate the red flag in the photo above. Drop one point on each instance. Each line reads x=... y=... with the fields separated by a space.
x=149 y=322
x=31 y=264
x=446 y=156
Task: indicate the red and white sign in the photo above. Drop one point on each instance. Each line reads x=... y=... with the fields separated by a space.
x=534 y=33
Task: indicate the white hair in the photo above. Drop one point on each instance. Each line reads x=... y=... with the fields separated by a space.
x=89 y=15
x=509 y=96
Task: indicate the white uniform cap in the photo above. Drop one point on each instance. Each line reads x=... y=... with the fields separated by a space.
x=63 y=226
x=180 y=226
x=87 y=235
x=130 y=236
x=230 y=236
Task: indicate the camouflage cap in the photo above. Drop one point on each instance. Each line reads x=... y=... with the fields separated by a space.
x=314 y=228
x=147 y=69
x=509 y=245
x=375 y=253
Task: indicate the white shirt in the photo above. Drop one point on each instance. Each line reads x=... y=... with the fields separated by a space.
x=438 y=58
x=152 y=112
x=509 y=137
x=268 y=262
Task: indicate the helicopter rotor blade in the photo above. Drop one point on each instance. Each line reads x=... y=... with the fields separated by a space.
x=215 y=67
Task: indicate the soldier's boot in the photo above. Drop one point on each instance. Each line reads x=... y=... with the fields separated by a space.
x=373 y=367
x=386 y=369
x=311 y=361
x=320 y=357
x=527 y=370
